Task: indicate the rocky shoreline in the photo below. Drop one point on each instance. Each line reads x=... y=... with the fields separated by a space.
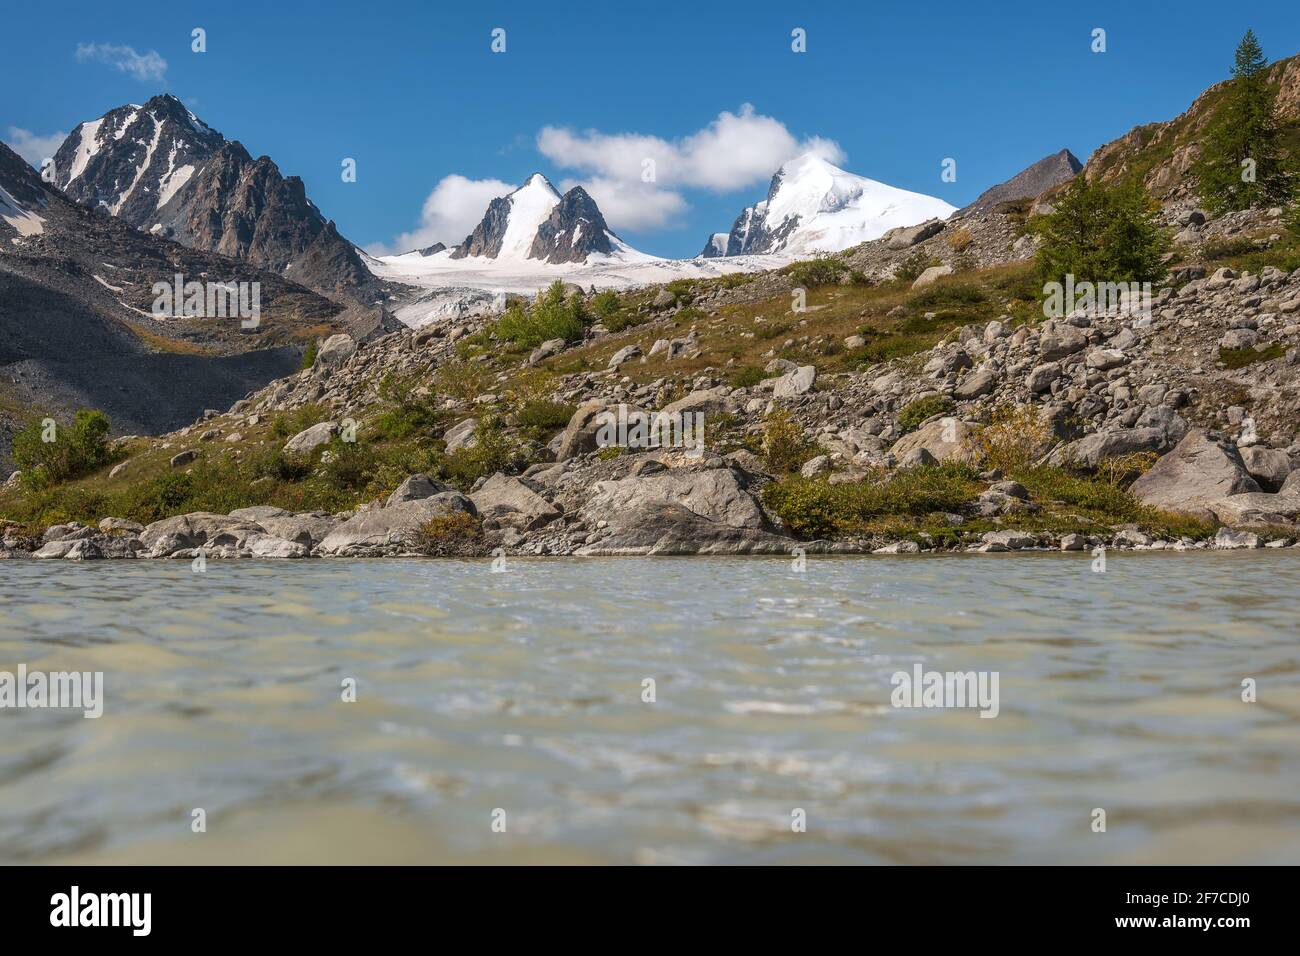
x=644 y=507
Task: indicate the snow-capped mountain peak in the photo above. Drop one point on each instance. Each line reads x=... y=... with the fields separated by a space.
x=530 y=206
x=165 y=171
x=133 y=159
x=814 y=206
x=536 y=223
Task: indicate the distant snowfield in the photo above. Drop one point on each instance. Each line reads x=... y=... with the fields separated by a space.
x=19 y=217
x=812 y=206
x=476 y=284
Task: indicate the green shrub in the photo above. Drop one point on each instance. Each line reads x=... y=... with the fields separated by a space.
x=48 y=453
x=348 y=465
x=947 y=295
x=463 y=380
x=786 y=445
x=913 y=264
x=1240 y=358
x=683 y=290
x=1102 y=497
x=816 y=508
x=493 y=450
x=457 y=534
x=734 y=279
x=746 y=376
x=605 y=303
x=823 y=270
x=541 y=419
x=554 y=315
x=309 y=355
x=914 y=413
x=1227 y=247
x=281 y=465
x=1014 y=439
x=288 y=424
x=407 y=413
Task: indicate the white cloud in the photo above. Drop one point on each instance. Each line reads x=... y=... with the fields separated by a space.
x=33 y=148
x=735 y=151
x=142 y=66
x=450 y=213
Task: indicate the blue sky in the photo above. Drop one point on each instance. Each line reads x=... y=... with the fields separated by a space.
x=413 y=92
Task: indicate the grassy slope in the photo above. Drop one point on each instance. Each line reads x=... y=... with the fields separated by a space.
x=400 y=436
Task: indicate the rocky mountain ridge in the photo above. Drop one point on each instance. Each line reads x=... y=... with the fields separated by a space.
x=160 y=168
x=77 y=327
x=536 y=222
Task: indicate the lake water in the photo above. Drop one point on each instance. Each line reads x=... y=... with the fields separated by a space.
x=522 y=691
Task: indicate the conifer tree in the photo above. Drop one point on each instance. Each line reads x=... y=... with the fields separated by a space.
x=1240 y=166
x=1102 y=233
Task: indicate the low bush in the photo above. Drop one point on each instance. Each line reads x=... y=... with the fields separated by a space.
x=746 y=376
x=457 y=534
x=824 y=270
x=1014 y=439
x=604 y=304
x=407 y=413
x=1240 y=358
x=287 y=424
x=554 y=315
x=817 y=508
x=910 y=269
x=48 y=453
x=914 y=413
x=786 y=445
x=493 y=450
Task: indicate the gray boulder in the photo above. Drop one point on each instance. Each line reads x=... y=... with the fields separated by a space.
x=546 y=350
x=1091 y=450
x=1239 y=339
x=416 y=487
x=309 y=528
x=393 y=529
x=120 y=525
x=335 y=350
x=1228 y=539
x=904 y=237
x=708 y=402
x=664 y=528
x=1105 y=359
x=1040 y=379
x=1201 y=470
x=259 y=512
x=311 y=438
x=718 y=495
x=1268 y=466
x=461 y=435
x=625 y=354
x=945 y=438
x=579 y=436
x=509 y=501
x=1168 y=421
x=1257 y=507
x=979 y=382
x=1059 y=340
x=195 y=530
x=931 y=275
x=1008 y=541
x=269 y=546
x=795 y=383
